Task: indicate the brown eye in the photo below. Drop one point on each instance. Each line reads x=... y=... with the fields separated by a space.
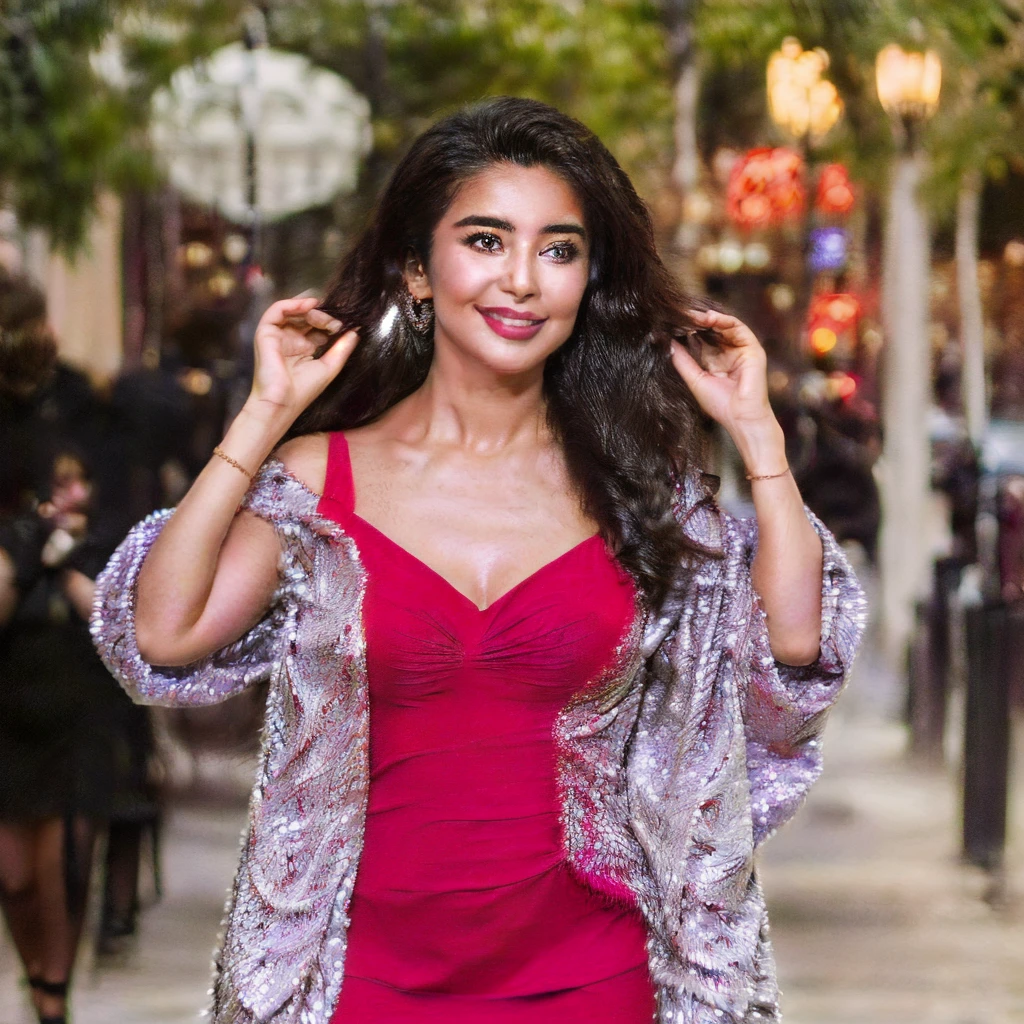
x=483 y=240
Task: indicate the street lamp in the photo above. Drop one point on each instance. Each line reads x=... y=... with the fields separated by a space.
x=908 y=88
x=805 y=105
x=800 y=100
x=908 y=85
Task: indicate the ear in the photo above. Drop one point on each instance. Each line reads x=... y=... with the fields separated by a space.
x=416 y=278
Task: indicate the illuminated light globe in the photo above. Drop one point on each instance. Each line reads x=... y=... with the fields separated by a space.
x=842 y=385
x=829 y=249
x=908 y=83
x=831 y=317
x=823 y=340
x=766 y=187
x=800 y=100
x=707 y=256
x=782 y=297
x=730 y=255
x=311 y=131
x=834 y=195
x=756 y=255
x=1013 y=253
x=698 y=207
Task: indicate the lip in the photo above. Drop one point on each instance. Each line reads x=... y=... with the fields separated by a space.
x=497 y=317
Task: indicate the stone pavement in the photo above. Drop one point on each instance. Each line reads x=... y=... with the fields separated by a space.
x=875 y=920
x=164 y=976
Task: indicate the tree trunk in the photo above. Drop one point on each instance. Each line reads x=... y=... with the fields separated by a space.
x=678 y=19
x=906 y=398
x=972 y=324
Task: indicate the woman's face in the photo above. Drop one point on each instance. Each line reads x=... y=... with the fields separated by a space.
x=508 y=268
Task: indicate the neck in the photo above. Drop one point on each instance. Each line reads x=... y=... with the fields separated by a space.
x=472 y=407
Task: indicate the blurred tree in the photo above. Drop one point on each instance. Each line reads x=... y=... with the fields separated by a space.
x=604 y=62
x=685 y=72
x=62 y=126
x=977 y=135
x=76 y=78
x=736 y=38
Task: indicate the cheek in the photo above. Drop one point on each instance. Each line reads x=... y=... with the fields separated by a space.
x=564 y=290
x=457 y=277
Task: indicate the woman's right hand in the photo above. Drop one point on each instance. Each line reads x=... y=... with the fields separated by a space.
x=212 y=572
x=287 y=377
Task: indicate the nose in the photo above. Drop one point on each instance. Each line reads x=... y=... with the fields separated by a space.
x=520 y=274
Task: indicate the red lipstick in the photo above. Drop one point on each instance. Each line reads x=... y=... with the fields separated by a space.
x=513 y=324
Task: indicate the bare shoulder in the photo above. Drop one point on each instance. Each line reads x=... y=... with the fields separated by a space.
x=306 y=459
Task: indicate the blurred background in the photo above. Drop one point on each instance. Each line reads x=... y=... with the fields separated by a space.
x=846 y=175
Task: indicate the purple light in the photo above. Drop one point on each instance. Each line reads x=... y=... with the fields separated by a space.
x=828 y=249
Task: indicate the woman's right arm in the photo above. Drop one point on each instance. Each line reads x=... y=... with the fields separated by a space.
x=212 y=571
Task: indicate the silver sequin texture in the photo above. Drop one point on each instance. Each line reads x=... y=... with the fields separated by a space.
x=692 y=748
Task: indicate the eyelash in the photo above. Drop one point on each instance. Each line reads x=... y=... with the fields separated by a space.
x=571 y=249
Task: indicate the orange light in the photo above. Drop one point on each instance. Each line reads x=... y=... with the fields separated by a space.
x=835 y=191
x=844 y=385
x=823 y=339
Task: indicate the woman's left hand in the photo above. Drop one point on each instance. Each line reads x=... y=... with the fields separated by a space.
x=732 y=384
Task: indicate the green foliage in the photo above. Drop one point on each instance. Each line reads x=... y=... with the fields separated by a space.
x=602 y=60
x=981 y=42
x=61 y=126
x=66 y=131
x=979 y=128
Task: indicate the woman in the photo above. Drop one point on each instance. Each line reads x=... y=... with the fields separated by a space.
x=488 y=526
x=63 y=744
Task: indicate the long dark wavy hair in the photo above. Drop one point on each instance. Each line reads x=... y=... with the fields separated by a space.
x=628 y=425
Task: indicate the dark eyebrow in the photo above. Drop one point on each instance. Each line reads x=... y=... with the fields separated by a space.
x=564 y=229
x=485 y=222
x=503 y=225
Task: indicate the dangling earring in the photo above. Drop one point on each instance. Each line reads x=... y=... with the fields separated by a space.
x=419 y=313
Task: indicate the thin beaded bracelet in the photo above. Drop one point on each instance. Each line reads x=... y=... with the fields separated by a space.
x=231 y=462
x=769 y=476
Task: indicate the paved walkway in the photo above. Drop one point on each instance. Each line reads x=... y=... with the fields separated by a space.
x=875 y=920
x=164 y=976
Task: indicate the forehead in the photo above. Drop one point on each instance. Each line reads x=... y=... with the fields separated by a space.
x=524 y=196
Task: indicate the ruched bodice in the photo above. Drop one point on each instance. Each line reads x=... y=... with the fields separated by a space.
x=464 y=908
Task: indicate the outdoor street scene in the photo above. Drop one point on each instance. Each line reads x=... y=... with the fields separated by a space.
x=199 y=204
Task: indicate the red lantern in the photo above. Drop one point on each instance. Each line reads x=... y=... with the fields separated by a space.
x=832 y=316
x=766 y=187
x=835 y=191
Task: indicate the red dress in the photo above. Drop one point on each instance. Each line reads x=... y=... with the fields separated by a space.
x=464 y=910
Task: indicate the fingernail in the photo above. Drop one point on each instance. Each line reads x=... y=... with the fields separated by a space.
x=333 y=326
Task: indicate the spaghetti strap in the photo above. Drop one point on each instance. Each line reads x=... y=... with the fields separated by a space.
x=339 y=493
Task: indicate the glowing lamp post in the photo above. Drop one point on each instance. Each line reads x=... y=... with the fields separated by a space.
x=806 y=106
x=908 y=89
x=801 y=102
x=908 y=84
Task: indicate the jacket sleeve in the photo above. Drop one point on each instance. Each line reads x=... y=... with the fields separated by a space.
x=231 y=669
x=785 y=706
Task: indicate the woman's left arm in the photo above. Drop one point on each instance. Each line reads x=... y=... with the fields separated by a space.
x=731 y=387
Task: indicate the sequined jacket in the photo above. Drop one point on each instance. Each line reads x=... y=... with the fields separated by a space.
x=688 y=752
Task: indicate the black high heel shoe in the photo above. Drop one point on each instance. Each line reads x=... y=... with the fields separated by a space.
x=57 y=989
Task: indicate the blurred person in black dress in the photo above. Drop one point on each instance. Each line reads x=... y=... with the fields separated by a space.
x=66 y=759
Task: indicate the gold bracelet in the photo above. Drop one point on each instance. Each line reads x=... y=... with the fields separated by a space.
x=231 y=462
x=769 y=476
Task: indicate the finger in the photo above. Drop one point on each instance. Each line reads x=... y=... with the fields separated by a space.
x=733 y=331
x=284 y=309
x=323 y=321
x=337 y=355
x=688 y=368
